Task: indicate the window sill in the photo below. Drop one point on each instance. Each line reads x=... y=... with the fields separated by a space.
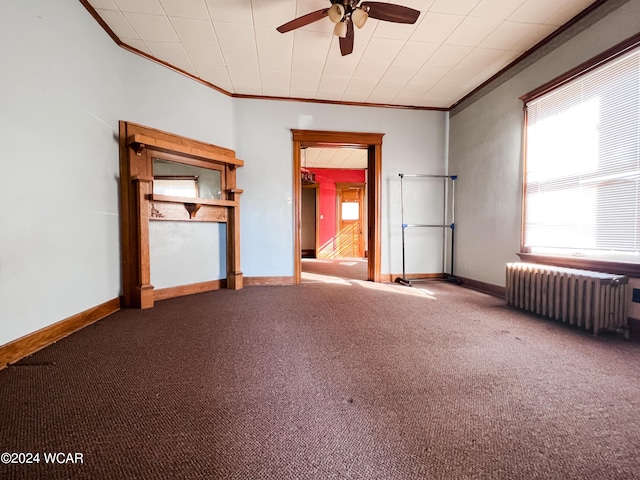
x=618 y=268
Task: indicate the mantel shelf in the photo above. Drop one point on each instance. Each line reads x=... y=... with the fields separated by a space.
x=219 y=155
x=193 y=201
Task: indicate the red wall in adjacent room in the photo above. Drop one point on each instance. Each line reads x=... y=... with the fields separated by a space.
x=327 y=178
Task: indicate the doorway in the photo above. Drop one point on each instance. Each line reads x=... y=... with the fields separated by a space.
x=310 y=220
x=370 y=234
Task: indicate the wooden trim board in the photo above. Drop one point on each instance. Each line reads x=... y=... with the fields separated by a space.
x=489 y=288
x=32 y=342
x=495 y=290
x=265 y=281
x=190 y=289
x=193 y=288
x=158 y=140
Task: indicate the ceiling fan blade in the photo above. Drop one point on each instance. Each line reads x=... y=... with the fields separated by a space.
x=303 y=20
x=346 y=43
x=390 y=12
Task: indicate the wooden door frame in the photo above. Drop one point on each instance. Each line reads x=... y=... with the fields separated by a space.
x=340 y=187
x=320 y=138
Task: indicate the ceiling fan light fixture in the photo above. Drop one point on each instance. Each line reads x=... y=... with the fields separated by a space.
x=346 y=13
x=336 y=13
x=340 y=30
x=359 y=17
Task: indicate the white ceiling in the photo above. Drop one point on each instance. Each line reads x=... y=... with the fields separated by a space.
x=233 y=44
x=352 y=158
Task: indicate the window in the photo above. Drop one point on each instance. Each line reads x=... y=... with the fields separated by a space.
x=350 y=211
x=582 y=169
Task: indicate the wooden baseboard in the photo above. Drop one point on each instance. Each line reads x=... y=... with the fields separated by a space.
x=391 y=277
x=182 y=290
x=263 y=281
x=489 y=288
x=31 y=343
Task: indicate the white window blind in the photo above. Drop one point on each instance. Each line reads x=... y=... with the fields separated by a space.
x=582 y=184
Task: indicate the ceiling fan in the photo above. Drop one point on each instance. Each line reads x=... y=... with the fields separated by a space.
x=346 y=13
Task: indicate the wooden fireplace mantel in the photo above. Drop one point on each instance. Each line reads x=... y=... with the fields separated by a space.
x=139 y=205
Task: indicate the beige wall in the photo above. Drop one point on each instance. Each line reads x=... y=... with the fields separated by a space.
x=485 y=149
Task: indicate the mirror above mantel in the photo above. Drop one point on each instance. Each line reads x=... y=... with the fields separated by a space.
x=171 y=178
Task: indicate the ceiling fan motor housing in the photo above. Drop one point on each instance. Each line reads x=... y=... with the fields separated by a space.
x=349 y=6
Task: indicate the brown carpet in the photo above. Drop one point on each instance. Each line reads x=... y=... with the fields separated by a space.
x=314 y=269
x=348 y=380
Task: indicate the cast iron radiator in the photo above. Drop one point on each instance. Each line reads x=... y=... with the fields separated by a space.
x=594 y=301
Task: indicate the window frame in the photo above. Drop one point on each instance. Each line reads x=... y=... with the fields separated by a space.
x=626 y=268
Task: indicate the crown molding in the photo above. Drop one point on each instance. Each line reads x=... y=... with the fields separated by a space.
x=131 y=49
x=567 y=31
